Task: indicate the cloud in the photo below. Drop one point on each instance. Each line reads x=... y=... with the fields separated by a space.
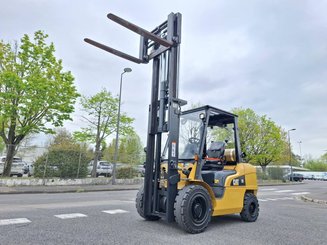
x=266 y=55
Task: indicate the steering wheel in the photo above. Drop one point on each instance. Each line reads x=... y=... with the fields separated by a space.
x=194 y=140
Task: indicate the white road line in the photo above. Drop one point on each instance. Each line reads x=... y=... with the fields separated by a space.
x=272 y=199
x=115 y=211
x=70 y=216
x=127 y=201
x=276 y=199
x=14 y=221
x=286 y=198
x=282 y=191
x=300 y=193
x=267 y=189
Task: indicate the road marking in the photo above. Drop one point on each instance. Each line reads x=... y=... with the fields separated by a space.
x=271 y=199
x=14 y=221
x=115 y=211
x=282 y=191
x=300 y=193
x=262 y=200
x=70 y=216
x=267 y=189
x=127 y=201
x=285 y=198
x=276 y=199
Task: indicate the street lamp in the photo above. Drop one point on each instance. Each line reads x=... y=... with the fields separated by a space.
x=289 y=146
x=300 y=142
x=117 y=127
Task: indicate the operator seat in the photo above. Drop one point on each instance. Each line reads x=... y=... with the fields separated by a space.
x=215 y=156
x=213 y=172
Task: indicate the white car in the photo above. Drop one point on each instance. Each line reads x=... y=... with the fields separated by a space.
x=104 y=168
x=17 y=167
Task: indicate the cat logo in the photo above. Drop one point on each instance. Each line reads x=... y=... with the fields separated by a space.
x=236 y=182
x=240 y=181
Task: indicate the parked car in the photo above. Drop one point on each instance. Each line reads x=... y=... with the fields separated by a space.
x=17 y=167
x=25 y=168
x=294 y=177
x=104 y=168
x=140 y=169
x=30 y=171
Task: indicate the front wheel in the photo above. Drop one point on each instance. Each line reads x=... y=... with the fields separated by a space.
x=193 y=208
x=250 y=211
x=139 y=206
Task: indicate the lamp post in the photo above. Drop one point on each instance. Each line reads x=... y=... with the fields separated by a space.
x=300 y=142
x=289 y=146
x=117 y=127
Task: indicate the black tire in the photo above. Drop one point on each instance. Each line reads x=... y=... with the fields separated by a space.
x=139 y=206
x=193 y=208
x=19 y=175
x=250 y=211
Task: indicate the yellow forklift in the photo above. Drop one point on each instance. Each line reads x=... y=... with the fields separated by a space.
x=194 y=168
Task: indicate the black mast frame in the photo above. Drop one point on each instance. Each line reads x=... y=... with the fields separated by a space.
x=162 y=45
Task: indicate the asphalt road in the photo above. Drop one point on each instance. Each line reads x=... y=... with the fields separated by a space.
x=111 y=218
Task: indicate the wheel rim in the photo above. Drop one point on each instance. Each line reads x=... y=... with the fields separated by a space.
x=198 y=209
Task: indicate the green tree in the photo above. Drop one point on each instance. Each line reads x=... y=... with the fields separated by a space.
x=316 y=165
x=35 y=93
x=323 y=158
x=2 y=145
x=260 y=137
x=65 y=158
x=110 y=151
x=101 y=119
x=132 y=149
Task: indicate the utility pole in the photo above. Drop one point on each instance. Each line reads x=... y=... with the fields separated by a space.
x=301 y=162
x=290 y=150
x=117 y=127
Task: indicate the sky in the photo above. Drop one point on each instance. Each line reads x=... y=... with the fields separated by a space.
x=270 y=56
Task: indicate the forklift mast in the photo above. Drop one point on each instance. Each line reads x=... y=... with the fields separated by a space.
x=162 y=45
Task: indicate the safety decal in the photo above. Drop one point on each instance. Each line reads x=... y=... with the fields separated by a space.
x=173 y=149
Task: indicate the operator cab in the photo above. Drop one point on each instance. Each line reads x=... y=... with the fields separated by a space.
x=211 y=134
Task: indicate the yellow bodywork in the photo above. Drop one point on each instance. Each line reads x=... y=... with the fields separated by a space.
x=232 y=200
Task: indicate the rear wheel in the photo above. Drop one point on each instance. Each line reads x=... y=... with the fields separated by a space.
x=250 y=211
x=193 y=208
x=139 y=206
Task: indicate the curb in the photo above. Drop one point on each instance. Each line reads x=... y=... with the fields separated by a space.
x=66 y=191
x=309 y=199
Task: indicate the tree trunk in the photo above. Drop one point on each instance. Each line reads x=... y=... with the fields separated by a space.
x=263 y=168
x=95 y=160
x=9 y=159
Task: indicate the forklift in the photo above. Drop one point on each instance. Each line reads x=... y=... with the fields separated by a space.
x=194 y=166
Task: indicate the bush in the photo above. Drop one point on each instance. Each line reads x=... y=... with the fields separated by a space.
x=126 y=173
x=275 y=173
x=61 y=163
x=261 y=175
